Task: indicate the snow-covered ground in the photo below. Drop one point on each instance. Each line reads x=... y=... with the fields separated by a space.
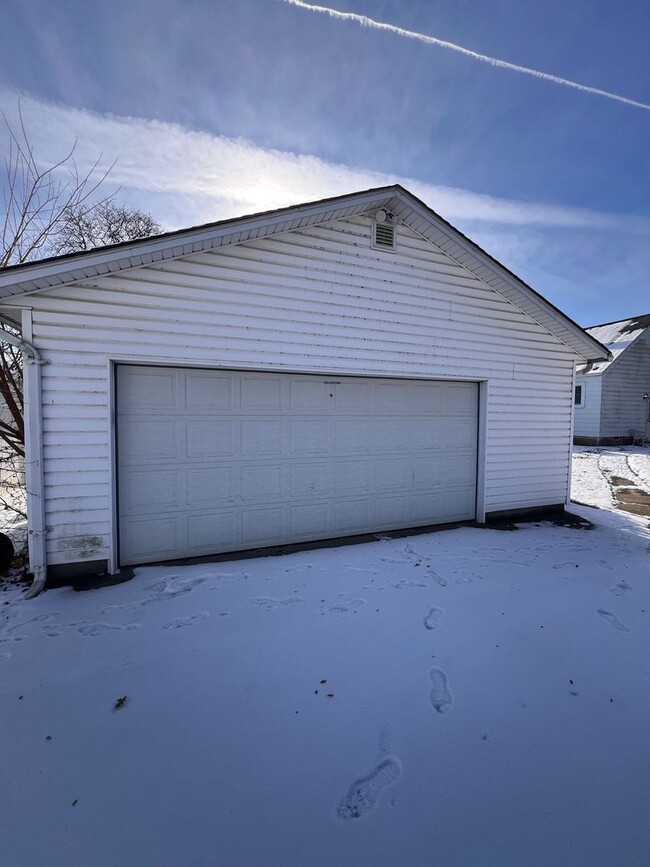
x=467 y=698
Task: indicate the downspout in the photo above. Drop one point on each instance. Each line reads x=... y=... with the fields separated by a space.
x=34 y=480
x=567 y=502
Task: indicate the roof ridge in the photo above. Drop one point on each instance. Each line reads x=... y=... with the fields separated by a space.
x=616 y=321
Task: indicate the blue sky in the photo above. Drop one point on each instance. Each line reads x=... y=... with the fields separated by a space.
x=219 y=108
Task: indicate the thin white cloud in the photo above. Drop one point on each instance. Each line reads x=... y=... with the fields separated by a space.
x=184 y=177
x=452 y=46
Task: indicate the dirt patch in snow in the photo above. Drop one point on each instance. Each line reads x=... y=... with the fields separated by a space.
x=633 y=500
x=620 y=481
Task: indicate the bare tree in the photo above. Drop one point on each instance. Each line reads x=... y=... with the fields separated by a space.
x=12 y=430
x=49 y=211
x=102 y=223
x=37 y=202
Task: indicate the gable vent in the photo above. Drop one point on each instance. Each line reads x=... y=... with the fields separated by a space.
x=383 y=231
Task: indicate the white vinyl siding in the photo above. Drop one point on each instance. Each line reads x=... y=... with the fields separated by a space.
x=317 y=300
x=587 y=416
x=625 y=382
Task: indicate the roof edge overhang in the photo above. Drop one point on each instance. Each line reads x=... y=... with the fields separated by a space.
x=613 y=359
x=75 y=267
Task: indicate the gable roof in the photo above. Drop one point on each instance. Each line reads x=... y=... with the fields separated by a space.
x=617 y=337
x=407 y=208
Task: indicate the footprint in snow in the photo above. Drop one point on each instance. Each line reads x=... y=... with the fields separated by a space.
x=437 y=578
x=37 y=618
x=227 y=576
x=361 y=797
x=347 y=605
x=181 y=622
x=613 y=620
x=4 y=657
x=127 y=606
x=620 y=589
x=361 y=569
x=440 y=697
x=8 y=633
x=94 y=629
x=171 y=586
x=432 y=620
x=271 y=604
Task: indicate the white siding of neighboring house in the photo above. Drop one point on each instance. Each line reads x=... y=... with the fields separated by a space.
x=316 y=300
x=587 y=417
x=625 y=382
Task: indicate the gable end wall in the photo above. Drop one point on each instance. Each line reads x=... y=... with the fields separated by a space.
x=624 y=384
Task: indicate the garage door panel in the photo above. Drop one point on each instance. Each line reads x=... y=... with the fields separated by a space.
x=439 y=474
x=309 y=481
x=207 y=533
x=208 y=392
x=352 y=437
x=391 y=436
x=391 y=512
x=456 y=503
x=207 y=438
x=148 y=441
x=263 y=437
x=215 y=461
x=393 y=475
x=151 y=539
x=261 y=393
x=262 y=484
x=352 y=478
x=208 y=483
x=351 y=517
x=354 y=398
x=424 y=506
x=459 y=434
x=145 y=491
x=309 y=438
x=460 y=398
x=309 y=394
x=154 y=390
x=307 y=521
x=262 y=527
x=394 y=398
x=428 y=399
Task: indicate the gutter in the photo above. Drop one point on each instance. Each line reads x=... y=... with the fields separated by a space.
x=34 y=479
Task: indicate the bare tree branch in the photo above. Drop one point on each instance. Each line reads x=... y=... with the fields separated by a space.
x=46 y=211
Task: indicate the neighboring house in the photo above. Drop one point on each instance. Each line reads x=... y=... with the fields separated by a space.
x=349 y=366
x=612 y=402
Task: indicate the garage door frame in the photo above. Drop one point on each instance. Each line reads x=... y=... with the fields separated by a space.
x=114 y=363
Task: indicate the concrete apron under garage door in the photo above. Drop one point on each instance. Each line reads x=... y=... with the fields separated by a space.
x=216 y=461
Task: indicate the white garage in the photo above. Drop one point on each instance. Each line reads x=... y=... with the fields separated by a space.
x=215 y=461
x=343 y=367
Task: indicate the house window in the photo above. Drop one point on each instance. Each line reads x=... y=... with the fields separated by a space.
x=579 y=396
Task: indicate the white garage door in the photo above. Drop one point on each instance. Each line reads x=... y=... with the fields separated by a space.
x=215 y=461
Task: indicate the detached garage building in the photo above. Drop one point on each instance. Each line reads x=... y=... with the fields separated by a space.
x=345 y=367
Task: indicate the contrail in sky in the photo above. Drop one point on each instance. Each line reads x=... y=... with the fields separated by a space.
x=451 y=46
